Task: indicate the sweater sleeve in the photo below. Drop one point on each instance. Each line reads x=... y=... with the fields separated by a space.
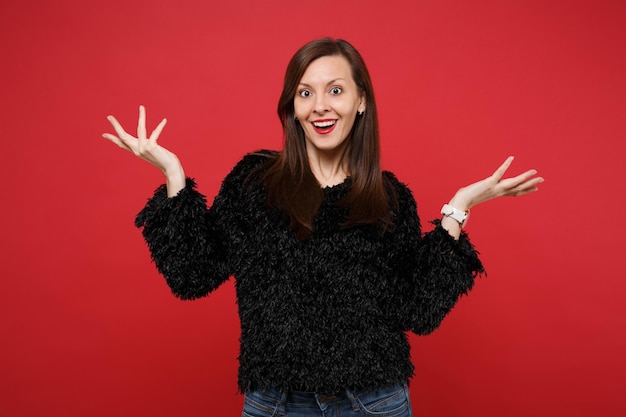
x=189 y=242
x=434 y=269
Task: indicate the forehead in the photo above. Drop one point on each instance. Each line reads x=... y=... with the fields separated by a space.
x=326 y=69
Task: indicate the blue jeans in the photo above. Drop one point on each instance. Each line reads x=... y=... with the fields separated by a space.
x=383 y=402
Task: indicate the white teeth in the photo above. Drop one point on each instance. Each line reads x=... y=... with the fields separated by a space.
x=324 y=124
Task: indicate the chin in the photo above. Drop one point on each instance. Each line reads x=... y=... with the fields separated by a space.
x=326 y=147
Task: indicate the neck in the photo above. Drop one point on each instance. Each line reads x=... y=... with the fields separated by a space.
x=330 y=168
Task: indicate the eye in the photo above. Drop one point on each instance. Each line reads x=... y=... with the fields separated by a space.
x=335 y=90
x=304 y=93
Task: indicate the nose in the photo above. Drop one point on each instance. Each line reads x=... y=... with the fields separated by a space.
x=320 y=104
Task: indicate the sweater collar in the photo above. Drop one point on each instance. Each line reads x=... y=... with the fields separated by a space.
x=338 y=191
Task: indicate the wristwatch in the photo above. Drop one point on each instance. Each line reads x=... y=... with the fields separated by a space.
x=452 y=212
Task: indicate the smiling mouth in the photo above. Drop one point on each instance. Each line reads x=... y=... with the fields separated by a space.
x=324 y=127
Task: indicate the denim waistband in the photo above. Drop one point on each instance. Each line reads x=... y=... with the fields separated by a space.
x=280 y=399
x=297 y=399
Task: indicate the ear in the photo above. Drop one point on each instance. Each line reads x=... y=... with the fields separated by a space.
x=362 y=104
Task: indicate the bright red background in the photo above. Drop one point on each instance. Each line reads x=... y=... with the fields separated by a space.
x=88 y=326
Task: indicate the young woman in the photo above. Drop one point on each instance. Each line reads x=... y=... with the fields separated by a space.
x=330 y=263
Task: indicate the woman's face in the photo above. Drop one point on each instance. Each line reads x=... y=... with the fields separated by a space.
x=326 y=103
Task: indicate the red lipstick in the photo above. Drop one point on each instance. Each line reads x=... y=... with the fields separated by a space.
x=324 y=126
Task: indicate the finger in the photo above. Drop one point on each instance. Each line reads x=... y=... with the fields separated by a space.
x=521 y=178
x=116 y=141
x=118 y=128
x=512 y=185
x=525 y=187
x=128 y=140
x=526 y=190
x=533 y=183
x=499 y=173
x=141 y=123
x=157 y=131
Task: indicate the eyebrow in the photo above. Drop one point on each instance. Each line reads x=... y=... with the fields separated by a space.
x=328 y=83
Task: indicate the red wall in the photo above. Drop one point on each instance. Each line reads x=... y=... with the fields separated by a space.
x=89 y=328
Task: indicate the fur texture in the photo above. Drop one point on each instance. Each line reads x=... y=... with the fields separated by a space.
x=324 y=314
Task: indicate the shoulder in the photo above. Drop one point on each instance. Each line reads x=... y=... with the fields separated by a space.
x=251 y=163
x=403 y=203
x=400 y=189
x=254 y=160
x=244 y=181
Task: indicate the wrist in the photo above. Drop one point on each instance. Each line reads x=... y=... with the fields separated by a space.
x=174 y=175
x=175 y=180
x=174 y=171
x=456 y=214
x=460 y=203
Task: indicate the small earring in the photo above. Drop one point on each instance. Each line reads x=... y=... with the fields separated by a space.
x=360 y=113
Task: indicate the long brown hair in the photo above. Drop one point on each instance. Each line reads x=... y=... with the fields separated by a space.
x=292 y=186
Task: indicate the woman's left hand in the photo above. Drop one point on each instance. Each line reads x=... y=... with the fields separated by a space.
x=495 y=186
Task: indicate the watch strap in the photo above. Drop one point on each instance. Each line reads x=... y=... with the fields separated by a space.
x=459 y=215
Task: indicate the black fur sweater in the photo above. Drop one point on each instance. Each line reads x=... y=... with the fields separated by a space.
x=324 y=314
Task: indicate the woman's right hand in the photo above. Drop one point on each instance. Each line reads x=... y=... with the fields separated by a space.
x=149 y=150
